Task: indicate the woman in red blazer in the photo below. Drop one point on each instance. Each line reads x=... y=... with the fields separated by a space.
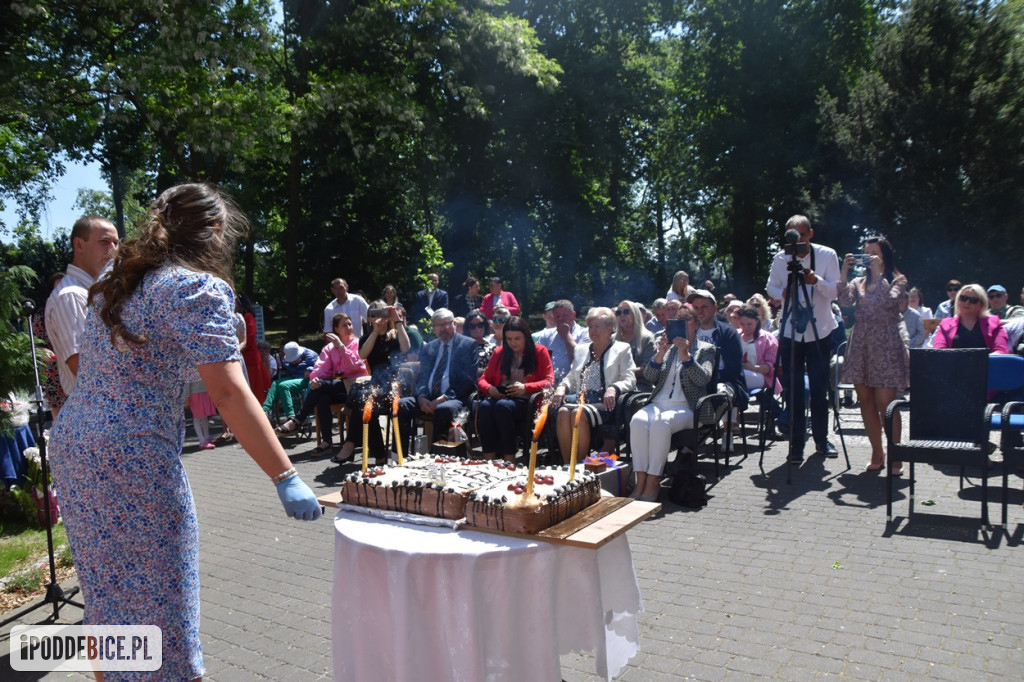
x=517 y=369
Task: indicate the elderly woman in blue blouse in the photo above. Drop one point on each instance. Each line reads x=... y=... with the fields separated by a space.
x=680 y=372
x=601 y=371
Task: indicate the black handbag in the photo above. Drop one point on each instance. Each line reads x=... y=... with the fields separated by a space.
x=689 y=490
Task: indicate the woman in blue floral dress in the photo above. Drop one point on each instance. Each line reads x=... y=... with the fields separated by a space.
x=163 y=311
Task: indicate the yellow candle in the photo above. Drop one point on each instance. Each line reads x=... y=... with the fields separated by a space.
x=542 y=417
x=367 y=416
x=398 y=441
x=575 y=440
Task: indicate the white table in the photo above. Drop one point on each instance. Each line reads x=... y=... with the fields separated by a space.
x=421 y=603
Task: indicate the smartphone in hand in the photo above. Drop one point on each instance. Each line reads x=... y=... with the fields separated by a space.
x=676 y=329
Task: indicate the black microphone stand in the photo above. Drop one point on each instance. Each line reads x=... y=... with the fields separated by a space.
x=795 y=285
x=54 y=594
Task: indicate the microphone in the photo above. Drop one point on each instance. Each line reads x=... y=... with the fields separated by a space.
x=792 y=236
x=28 y=305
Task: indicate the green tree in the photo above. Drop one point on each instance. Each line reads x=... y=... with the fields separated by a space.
x=380 y=97
x=933 y=141
x=745 y=140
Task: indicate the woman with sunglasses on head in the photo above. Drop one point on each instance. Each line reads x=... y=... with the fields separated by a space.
x=971 y=325
x=629 y=328
x=764 y=312
x=476 y=329
x=518 y=369
x=877 y=361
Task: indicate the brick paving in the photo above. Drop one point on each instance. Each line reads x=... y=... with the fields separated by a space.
x=796 y=582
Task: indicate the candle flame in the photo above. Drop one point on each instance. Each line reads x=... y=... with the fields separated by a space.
x=368 y=410
x=394 y=406
x=542 y=418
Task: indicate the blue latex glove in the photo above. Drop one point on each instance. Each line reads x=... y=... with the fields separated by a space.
x=298 y=500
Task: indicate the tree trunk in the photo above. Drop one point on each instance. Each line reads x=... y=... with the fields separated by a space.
x=117 y=194
x=291 y=233
x=659 y=215
x=743 y=221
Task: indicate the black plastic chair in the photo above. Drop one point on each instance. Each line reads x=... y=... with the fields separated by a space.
x=949 y=417
x=710 y=430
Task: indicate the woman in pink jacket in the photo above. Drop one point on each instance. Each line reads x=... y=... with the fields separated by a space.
x=339 y=364
x=759 y=351
x=971 y=326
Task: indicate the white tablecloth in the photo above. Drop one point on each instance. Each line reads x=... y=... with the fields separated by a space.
x=419 y=603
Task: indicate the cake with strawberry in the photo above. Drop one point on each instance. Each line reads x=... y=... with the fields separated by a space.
x=509 y=507
x=429 y=485
x=489 y=494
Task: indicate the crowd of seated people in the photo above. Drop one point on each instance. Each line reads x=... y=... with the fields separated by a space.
x=489 y=360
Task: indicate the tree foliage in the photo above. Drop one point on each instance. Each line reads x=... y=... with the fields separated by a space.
x=933 y=137
x=742 y=147
x=581 y=148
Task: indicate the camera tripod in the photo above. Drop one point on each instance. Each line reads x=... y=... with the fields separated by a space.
x=55 y=595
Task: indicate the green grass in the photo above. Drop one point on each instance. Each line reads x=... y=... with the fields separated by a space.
x=22 y=546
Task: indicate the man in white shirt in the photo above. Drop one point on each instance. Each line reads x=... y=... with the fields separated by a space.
x=94 y=242
x=353 y=305
x=813 y=324
x=561 y=339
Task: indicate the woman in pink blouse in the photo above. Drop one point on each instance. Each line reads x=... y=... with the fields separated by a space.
x=339 y=365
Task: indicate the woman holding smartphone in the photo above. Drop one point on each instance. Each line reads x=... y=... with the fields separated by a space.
x=680 y=371
x=877 y=361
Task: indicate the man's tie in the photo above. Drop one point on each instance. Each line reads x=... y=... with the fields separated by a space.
x=435 y=385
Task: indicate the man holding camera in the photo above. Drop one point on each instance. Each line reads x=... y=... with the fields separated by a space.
x=805 y=338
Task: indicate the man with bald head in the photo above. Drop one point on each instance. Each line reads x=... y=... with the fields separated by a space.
x=94 y=242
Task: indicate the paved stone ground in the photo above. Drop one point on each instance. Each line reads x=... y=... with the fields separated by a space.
x=771 y=580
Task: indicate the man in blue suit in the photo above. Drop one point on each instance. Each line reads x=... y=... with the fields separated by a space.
x=446 y=380
x=430 y=299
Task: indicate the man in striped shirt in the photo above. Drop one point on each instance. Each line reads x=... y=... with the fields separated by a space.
x=94 y=242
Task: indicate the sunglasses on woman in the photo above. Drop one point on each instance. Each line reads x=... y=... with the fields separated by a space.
x=500 y=320
x=620 y=313
x=969 y=299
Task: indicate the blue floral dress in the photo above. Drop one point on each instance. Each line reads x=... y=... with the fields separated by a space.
x=116 y=448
